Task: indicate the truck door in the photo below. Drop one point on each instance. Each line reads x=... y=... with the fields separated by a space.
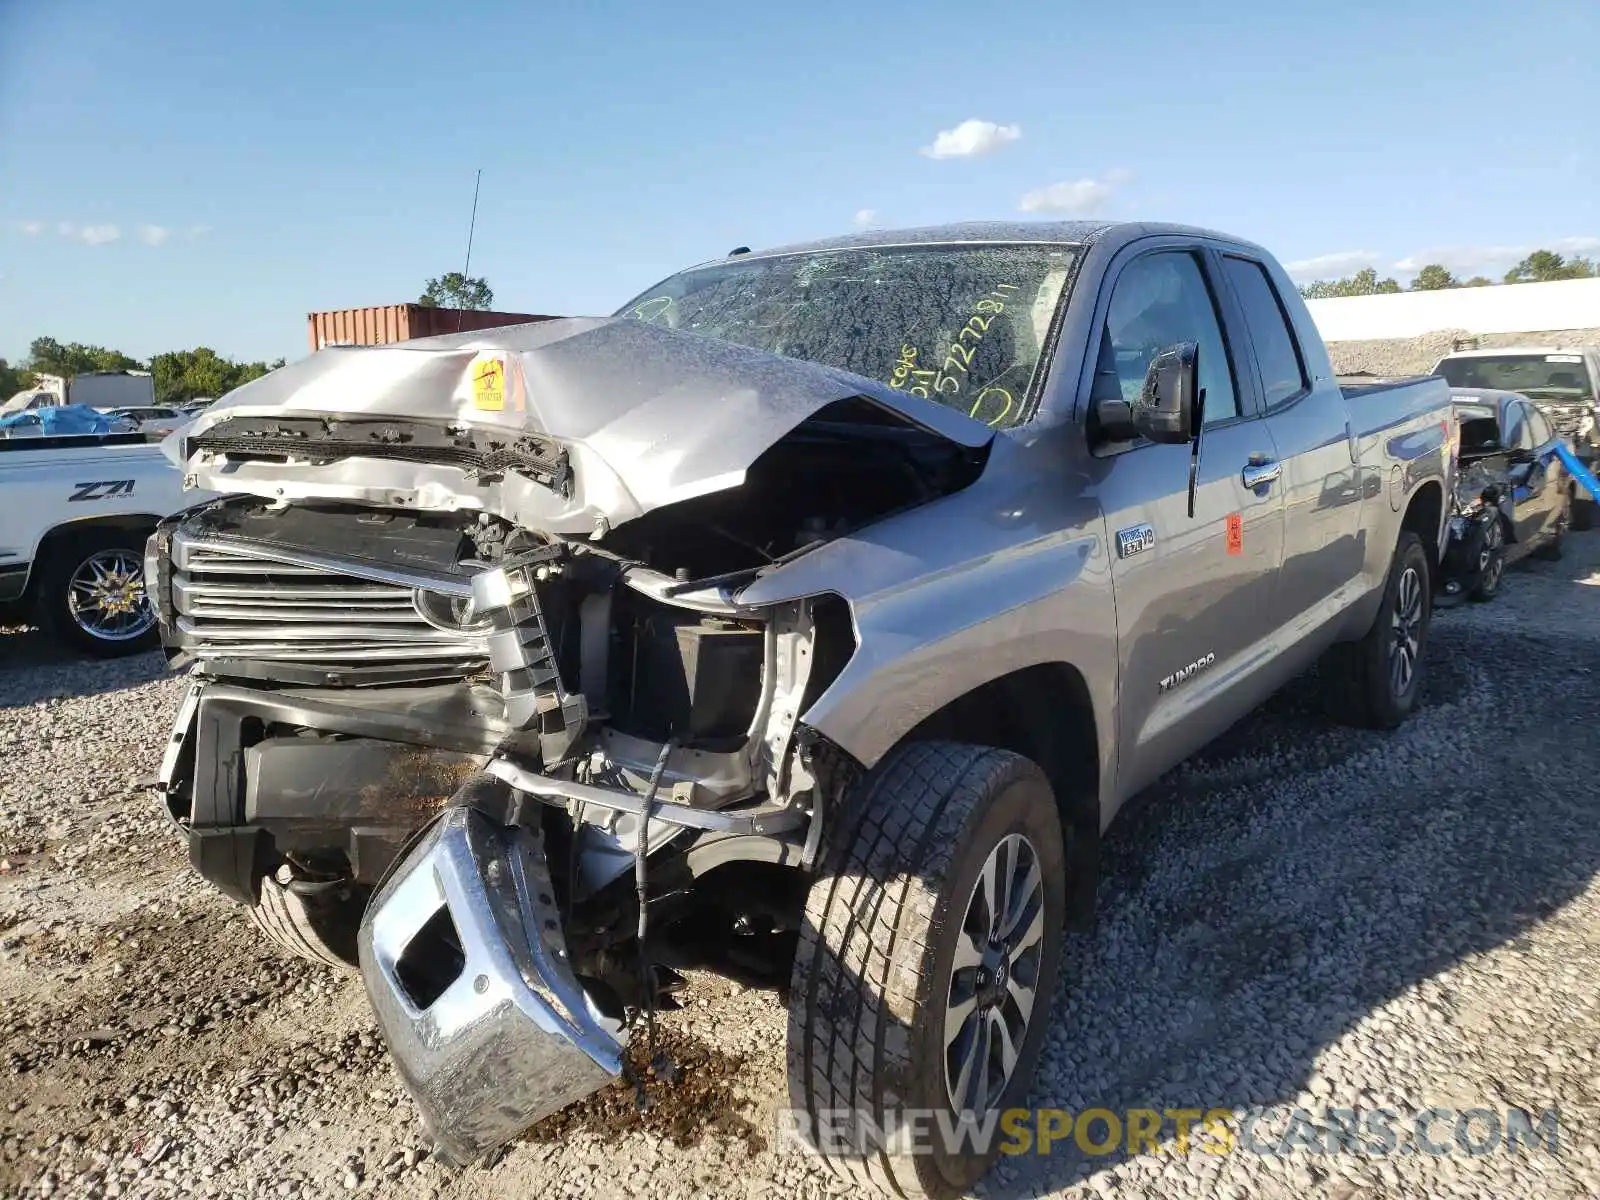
x=1192 y=592
x=1323 y=551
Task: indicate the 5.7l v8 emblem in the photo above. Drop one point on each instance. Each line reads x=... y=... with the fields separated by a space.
x=1135 y=539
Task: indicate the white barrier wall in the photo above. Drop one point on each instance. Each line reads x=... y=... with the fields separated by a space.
x=1505 y=308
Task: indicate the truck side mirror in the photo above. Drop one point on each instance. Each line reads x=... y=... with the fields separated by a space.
x=1168 y=408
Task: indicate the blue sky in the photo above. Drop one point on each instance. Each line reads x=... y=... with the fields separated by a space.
x=176 y=173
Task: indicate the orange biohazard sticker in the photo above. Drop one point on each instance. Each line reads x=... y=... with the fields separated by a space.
x=489 y=385
x=1235 y=534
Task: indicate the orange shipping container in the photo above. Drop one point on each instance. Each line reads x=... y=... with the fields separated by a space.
x=400 y=322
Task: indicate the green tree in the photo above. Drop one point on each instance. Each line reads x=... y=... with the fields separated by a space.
x=13 y=380
x=1479 y=281
x=456 y=290
x=184 y=375
x=1546 y=266
x=1434 y=278
x=1364 y=282
x=46 y=356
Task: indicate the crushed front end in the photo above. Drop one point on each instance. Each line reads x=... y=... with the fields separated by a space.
x=455 y=729
x=477 y=703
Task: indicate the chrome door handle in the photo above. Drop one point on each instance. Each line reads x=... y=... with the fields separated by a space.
x=1260 y=474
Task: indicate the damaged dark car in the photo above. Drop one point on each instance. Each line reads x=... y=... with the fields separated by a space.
x=1513 y=496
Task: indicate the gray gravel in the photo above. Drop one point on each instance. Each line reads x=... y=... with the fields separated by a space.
x=1304 y=914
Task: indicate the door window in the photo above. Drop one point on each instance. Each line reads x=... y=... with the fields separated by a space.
x=1539 y=427
x=1161 y=299
x=1283 y=374
x=1517 y=435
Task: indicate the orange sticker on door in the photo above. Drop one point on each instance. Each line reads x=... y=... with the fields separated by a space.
x=1235 y=533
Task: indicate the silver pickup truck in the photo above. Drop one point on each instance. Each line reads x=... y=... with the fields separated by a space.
x=808 y=621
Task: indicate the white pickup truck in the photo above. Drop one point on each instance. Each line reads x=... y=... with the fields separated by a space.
x=74 y=516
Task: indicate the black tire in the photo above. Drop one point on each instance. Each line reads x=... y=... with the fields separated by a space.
x=316 y=928
x=875 y=967
x=1583 y=513
x=1362 y=686
x=1491 y=560
x=53 y=599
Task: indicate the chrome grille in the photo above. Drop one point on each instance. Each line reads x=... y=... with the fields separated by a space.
x=233 y=601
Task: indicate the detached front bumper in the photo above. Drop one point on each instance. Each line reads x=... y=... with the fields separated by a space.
x=466 y=967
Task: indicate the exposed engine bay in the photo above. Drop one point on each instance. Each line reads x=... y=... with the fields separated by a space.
x=361 y=665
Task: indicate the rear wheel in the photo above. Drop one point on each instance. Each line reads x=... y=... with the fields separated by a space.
x=1491 y=560
x=927 y=963
x=1374 y=682
x=91 y=594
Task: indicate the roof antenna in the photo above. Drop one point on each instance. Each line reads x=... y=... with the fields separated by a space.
x=466 y=270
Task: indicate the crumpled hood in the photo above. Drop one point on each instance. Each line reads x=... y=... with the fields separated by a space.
x=645 y=416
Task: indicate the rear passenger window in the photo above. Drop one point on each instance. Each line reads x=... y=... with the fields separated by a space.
x=1517 y=435
x=1542 y=432
x=1283 y=375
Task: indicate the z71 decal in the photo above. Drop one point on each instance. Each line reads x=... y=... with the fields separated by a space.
x=101 y=489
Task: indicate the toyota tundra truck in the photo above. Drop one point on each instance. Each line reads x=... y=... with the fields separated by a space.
x=807 y=620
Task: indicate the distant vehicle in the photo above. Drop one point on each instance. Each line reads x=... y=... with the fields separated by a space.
x=60 y=420
x=1513 y=496
x=75 y=511
x=95 y=389
x=154 y=419
x=1563 y=381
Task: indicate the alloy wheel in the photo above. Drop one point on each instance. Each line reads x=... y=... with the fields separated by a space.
x=1406 y=624
x=106 y=596
x=995 y=976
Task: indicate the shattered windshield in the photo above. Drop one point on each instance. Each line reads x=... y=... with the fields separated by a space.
x=960 y=324
x=1553 y=376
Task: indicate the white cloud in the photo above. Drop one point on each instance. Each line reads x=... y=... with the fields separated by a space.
x=31 y=228
x=89 y=235
x=154 y=235
x=1331 y=266
x=866 y=218
x=1492 y=260
x=970 y=139
x=199 y=230
x=1078 y=197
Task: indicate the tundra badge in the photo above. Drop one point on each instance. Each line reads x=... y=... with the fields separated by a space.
x=1135 y=539
x=1187 y=673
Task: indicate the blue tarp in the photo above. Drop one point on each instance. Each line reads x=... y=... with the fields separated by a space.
x=1579 y=472
x=56 y=421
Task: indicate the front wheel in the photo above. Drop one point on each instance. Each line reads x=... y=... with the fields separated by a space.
x=1375 y=682
x=926 y=966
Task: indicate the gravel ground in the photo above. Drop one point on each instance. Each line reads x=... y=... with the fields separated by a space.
x=1304 y=914
x=1416 y=355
